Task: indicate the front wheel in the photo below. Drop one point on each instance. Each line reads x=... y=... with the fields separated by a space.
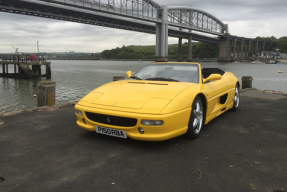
x=196 y=119
x=236 y=99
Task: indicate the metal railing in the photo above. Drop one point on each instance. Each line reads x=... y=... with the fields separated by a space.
x=23 y=58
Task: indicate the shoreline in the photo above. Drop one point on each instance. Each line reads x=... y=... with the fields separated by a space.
x=39 y=109
x=173 y=60
x=73 y=103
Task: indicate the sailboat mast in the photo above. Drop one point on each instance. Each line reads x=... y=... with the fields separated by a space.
x=38 y=46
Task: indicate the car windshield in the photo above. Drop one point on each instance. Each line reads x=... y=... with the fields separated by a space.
x=169 y=72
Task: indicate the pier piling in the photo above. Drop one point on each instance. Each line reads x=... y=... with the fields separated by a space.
x=246 y=82
x=46 y=93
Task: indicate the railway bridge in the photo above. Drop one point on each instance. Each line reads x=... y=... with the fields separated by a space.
x=145 y=16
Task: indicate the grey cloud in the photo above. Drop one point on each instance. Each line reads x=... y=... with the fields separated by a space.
x=249 y=18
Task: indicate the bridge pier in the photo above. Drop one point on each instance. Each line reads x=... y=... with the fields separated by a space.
x=161 y=53
x=224 y=50
x=246 y=49
x=189 y=56
x=242 y=47
x=179 y=51
x=238 y=52
x=234 y=50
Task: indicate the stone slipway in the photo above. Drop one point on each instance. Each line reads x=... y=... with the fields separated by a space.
x=44 y=150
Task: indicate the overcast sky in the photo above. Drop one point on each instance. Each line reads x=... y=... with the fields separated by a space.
x=247 y=18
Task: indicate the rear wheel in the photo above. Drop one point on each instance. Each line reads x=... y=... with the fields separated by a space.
x=236 y=99
x=196 y=119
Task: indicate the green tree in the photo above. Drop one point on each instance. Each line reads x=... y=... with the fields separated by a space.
x=282 y=44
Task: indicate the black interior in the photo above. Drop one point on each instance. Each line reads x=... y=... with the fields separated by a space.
x=206 y=72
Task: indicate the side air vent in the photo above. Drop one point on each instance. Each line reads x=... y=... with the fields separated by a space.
x=223 y=98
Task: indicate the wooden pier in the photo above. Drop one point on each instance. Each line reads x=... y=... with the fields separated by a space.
x=25 y=68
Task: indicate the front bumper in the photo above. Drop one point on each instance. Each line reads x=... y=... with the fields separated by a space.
x=175 y=124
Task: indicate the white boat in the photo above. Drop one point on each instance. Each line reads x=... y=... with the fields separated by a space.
x=256 y=62
x=272 y=62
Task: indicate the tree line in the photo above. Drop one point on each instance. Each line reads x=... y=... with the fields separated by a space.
x=280 y=43
x=199 y=50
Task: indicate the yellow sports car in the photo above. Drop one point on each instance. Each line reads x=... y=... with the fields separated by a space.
x=159 y=102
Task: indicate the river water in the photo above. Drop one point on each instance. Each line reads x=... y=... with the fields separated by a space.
x=74 y=79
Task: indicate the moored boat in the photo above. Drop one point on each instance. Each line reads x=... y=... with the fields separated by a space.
x=272 y=62
x=256 y=62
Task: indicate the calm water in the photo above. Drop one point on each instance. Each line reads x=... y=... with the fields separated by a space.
x=75 y=79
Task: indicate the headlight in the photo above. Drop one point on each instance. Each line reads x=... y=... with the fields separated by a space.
x=79 y=112
x=152 y=122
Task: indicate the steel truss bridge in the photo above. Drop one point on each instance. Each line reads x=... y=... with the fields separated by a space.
x=145 y=16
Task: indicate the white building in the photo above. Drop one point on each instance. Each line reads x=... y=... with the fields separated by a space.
x=270 y=54
x=283 y=55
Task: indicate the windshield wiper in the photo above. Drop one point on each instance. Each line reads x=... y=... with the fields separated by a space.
x=162 y=78
x=135 y=77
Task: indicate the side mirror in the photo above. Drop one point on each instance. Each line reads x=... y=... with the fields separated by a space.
x=212 y=77
x=129 y=74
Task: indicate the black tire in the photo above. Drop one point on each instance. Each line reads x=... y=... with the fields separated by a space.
x=196 y=118
x=236 y=99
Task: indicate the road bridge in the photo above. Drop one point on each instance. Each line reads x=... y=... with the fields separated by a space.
x=145 y=16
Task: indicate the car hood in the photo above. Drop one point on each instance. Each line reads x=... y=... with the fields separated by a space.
x=136 y=94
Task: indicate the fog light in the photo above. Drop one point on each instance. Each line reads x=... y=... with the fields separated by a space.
x=158 y=122
x=152 y=122
x=84 y=120
x=79 y=112
x=141 y=130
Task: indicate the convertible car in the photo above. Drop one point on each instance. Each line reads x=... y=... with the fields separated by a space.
x=159 y=102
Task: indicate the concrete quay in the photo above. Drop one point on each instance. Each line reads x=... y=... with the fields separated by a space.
x=44 y=150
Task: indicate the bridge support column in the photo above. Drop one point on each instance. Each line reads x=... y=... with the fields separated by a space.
x=179 y=51
x=238 y=52
x=263 y=46
x=224 y=50
x=189 y=56
x=161 y=53
x=253 y=49
x=234 y=49
x=242 y=47
x=231 y=49
x=249 y=48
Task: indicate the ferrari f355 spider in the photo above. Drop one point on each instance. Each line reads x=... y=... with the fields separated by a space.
x=159 y=102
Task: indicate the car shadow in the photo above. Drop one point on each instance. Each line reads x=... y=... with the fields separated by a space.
x=105 y=139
